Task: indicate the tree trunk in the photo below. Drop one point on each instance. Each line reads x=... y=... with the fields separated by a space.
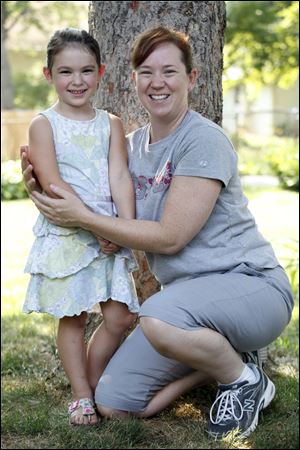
x=115 y=24
x=6 y=84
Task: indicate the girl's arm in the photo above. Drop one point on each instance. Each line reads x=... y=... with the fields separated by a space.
x=42 y=156
x=120 y=180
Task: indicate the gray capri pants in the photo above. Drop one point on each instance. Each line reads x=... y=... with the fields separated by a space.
x=250 y=309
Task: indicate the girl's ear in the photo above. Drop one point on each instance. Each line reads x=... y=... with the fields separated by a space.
x=101 y=70
x=47 y=74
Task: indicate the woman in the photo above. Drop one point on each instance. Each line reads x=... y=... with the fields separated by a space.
x=224 y=291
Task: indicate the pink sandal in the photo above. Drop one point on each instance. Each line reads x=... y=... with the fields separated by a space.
x=87 y=409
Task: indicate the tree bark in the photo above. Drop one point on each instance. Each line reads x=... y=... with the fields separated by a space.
x=6 y=83
x=115 y=24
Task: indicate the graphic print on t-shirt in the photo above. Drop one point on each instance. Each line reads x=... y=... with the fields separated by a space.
x=158 y=183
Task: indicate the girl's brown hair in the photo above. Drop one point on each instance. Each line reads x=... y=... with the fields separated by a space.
x=147 y=41
x=68 y=37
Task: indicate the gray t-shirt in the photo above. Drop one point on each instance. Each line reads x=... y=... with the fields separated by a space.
x=198 y=147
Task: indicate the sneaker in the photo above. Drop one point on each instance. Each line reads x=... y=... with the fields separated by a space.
x=238 y=405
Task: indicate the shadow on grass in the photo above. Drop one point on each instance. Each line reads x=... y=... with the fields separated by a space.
x=35 y=395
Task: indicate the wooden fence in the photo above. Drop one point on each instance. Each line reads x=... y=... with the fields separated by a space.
x=14 y=132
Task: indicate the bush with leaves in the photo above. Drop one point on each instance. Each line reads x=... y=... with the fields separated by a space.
x=31 y=92
x=12 y=185
x=284 y=163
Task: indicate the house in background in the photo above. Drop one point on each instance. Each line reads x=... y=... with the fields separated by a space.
x=274 y=111
x=26 y=51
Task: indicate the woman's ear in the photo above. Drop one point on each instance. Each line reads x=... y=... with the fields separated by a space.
x=192 y=79
x=133 y=77
x=47 y=74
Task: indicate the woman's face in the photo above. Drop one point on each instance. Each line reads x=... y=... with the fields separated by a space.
x=162 y=83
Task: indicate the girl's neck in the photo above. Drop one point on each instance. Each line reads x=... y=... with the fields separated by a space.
x=85 y=112
x=160 y=129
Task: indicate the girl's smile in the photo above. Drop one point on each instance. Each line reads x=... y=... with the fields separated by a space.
x=78 y=93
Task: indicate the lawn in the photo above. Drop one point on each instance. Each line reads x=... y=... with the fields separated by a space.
x=34 y=389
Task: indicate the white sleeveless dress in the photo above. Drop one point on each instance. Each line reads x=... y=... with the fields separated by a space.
x=69 y=273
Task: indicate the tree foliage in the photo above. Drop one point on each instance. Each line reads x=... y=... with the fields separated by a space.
x=19 y=17
x=41 y=15
x=261 y=42
x=14 y=12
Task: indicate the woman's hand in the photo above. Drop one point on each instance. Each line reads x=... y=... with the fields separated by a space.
x=67 y=211
x=31 y=183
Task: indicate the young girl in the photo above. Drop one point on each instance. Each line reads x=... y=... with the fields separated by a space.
x=83 y=150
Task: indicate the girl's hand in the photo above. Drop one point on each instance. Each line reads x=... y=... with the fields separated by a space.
x=107 y=247
x=67 y=211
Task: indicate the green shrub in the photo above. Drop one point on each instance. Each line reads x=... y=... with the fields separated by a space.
x=284 y=163
x=265 y=155
x=292 y=267
x=31 y=91
x=251 y=151
x=12 y=185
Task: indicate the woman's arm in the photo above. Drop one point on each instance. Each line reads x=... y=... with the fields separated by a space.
x=42 y=156
x=189 y=204
x=120 y=180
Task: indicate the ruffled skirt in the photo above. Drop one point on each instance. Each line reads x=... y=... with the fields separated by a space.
x=70 y=274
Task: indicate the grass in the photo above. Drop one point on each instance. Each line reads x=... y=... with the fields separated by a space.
x=35 y=391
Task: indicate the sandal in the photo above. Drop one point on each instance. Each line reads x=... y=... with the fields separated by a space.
x=87 y=410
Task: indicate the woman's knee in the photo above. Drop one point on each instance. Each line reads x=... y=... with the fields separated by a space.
x=158 y=333
x=148 y=325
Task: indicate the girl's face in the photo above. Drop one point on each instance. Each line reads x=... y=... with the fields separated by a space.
x=75 y=76
x=163 y=84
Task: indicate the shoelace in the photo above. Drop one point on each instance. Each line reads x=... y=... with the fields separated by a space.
x=226 y=410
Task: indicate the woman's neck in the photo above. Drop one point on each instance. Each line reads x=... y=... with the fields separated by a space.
x=161 y=129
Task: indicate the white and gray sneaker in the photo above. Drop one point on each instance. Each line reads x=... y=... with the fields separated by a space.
x=237 y=406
